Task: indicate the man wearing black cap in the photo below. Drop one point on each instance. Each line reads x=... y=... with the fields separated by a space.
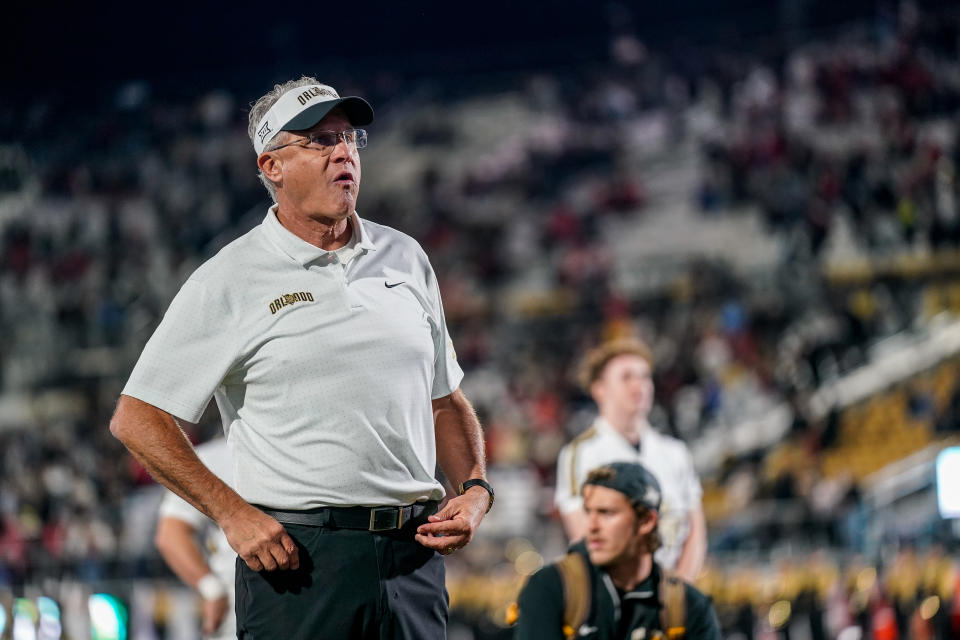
x=322 y=338
x=609 y=587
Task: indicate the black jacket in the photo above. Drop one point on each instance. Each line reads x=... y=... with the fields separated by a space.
x=541 y=607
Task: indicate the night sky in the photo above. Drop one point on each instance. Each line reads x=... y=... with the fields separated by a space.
x=98 y=45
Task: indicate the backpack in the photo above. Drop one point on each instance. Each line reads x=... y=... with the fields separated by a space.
x=575 y=576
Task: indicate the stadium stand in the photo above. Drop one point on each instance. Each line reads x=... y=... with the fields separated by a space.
x=783 y=229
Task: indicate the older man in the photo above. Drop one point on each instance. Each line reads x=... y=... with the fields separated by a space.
x=322 y=338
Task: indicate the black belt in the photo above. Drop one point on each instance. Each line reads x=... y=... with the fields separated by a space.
x=367 y=518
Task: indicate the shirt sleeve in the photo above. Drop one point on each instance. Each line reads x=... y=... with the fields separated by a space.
x=447 y=373
x=540 y=607
x=188 y=355
x=567 y=495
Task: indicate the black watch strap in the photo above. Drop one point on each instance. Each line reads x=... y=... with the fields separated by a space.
x=477 y=482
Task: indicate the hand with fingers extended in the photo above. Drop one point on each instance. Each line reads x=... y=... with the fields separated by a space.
x=453 y=527
x=260 y=541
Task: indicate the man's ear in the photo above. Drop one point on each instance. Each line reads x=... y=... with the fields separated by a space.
x=650 y=523
x=271 y=165
x=596 y=390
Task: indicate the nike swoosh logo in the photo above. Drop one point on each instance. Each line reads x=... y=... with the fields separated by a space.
x=395 y=284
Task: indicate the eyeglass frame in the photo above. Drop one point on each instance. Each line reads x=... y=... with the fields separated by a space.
x=311 y=139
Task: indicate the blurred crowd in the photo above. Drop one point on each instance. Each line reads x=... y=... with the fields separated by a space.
x=849 y=134
x=846 y=148
x=818 y=596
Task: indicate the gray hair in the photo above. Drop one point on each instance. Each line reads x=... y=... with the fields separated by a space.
x=259 y=109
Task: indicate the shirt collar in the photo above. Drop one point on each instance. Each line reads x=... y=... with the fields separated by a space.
x=604 y=426
x=302 y=251
x=646 y=588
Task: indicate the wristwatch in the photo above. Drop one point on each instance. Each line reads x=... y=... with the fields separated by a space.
x=477 y=482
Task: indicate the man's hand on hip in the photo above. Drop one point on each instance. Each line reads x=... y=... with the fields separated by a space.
x=260 y=541
x=453 y=527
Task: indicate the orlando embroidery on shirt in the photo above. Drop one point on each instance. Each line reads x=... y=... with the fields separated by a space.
x=288 y=299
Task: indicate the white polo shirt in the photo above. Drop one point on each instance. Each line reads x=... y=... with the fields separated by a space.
x=220 y=556
x=323 y=372
x=668 y=459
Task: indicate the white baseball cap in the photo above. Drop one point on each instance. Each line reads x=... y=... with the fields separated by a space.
x=302 y=107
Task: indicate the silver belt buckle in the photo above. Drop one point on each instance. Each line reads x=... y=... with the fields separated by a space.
x=393 y=523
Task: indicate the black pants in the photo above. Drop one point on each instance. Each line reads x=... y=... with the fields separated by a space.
x=350 y=585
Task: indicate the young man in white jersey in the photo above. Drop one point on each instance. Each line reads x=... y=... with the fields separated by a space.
x=619 y=377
